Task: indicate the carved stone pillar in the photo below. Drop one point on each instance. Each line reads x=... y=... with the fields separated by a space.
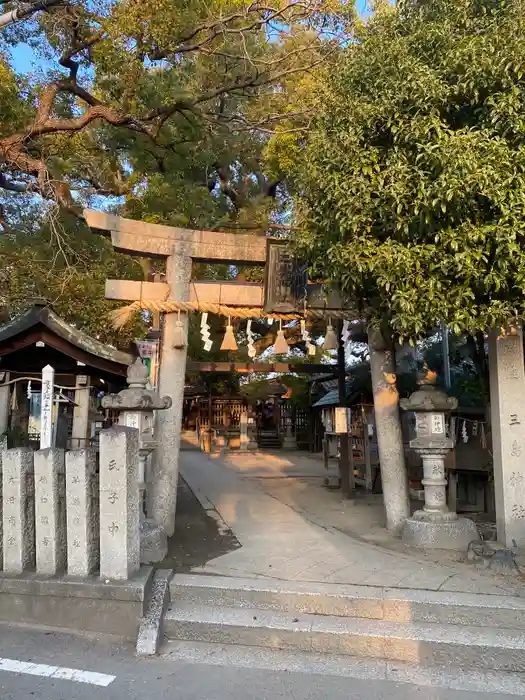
x=507 y=390
x=136 y=406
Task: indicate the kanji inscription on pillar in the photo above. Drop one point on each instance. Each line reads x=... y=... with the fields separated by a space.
x=119 y=503
x=507 y=388
x=46 y=413
x=50 y=514
x=82 y=514
x=18 y=511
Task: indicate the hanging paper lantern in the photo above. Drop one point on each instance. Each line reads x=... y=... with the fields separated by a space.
x=229 y=342
x=179 y=335
x=280 y=347
x=330 y=340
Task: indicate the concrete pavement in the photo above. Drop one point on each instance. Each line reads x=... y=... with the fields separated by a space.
x=188 y=675
x=284 y=542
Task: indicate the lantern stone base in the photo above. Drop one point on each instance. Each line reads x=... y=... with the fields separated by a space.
x=439 y=531
x=153 y=542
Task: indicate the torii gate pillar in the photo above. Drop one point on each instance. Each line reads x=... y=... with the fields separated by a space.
x=180 y=247
x=163 y=490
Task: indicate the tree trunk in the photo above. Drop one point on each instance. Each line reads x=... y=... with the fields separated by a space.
x=476 y=345
x=389 y=433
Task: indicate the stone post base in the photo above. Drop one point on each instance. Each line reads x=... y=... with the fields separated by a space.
x=289 y=443
x=332 y=481
x=153 y=542
x=439 y=531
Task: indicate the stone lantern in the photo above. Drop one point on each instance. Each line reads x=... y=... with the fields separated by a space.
x=435 y=526
x=135 y=406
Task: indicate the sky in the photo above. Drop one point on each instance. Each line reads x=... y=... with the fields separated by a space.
x=23 y=57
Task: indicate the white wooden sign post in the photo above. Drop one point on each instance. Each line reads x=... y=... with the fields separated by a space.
x=46 y=414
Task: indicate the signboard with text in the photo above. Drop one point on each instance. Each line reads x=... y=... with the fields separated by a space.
x=46 y=415
x=342 y=420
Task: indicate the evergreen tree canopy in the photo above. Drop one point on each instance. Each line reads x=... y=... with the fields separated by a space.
x=411 y=181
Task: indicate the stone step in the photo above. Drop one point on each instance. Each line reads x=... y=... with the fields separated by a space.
x=413 y=643
x=368 y=602
x=451 y=677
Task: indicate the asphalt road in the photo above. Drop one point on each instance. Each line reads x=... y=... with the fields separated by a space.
x=118 y=675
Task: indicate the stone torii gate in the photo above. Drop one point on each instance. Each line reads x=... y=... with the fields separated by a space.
x=180 y=247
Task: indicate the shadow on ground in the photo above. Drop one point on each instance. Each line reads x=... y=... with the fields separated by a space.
x=198 y=536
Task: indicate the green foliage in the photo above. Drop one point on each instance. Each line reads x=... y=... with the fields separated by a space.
x=12 y=110
x=64 y=264
x=412 y=178
x=151 y=99
x=158 y=110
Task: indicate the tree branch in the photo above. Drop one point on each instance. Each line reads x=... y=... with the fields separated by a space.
x=221 y=27
x=10 y=186
x=26 y=11
x=25 y=155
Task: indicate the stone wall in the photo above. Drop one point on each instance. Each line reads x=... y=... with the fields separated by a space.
x=60 y=514
x=69 y=537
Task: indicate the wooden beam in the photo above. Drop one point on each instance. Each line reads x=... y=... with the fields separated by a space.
x=247 y=367
x=142 y=238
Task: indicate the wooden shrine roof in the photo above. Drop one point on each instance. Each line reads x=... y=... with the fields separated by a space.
x=41 y=323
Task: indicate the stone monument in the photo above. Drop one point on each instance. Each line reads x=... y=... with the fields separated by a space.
x=252 y=431
x=82 y=513
x=507 y=389
x=136 y=405
x=119 y=513
x=435 y=526
x=50 y=511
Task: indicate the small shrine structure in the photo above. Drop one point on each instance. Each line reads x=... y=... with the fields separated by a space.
x=84 y=369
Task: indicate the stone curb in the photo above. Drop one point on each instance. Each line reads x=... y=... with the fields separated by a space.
x=150 y=629
x=94 y=587
x=81 y=604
